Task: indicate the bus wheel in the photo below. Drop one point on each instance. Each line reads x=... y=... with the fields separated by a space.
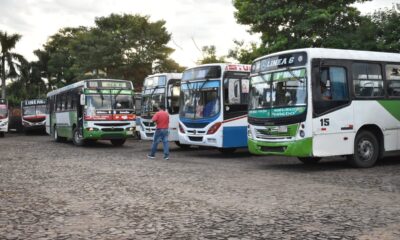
x=1 y=134
x=227 y=150
x=183 y=146
x=118 y=142
x=77 y=138
x=55 y=135
x=366 y=150
x=309 y=160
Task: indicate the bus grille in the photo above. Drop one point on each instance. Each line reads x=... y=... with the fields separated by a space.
x=111 y=124
x=112 y=129
x=279 y=149
x=196 y=139
x=149 y=124
x=195 y=125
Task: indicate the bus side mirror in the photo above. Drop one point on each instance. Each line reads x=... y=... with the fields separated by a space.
x=82 y=99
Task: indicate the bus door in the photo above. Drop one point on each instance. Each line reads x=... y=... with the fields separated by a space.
x=333 y=118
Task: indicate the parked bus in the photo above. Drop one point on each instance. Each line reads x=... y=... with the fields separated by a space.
x=89 y=110
x=33 y=115
x=213 y=104
x=313 y=103
x=3 y=117
x=162 y=88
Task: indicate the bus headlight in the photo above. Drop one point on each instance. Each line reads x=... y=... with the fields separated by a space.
x=249 y=133
x=302 y=133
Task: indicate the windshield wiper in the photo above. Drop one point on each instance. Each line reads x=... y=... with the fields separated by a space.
x=294 y=76
x=101 y=95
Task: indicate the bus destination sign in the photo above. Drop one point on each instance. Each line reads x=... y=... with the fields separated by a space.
x=33 y=102
x=279 y=61
x=108 y=84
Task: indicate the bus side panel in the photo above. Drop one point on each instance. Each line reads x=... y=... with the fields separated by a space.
x=173 y=127
x=234 y=136
x=63 y=124
x=334 y=133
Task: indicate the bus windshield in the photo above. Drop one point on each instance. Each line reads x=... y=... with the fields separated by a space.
x=108 y=102
x=200 y=100
x=151 y=102
x=34 y=110
x=3 y=111
x=278 y=89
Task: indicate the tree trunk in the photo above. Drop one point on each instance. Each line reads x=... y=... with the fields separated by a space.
x=3 y=77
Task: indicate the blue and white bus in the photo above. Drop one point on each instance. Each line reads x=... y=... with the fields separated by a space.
x=213 y=110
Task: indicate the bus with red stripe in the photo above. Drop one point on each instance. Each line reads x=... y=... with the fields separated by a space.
x=3 y=117
x=90 y=110
x=33 y=114
x=213 y=106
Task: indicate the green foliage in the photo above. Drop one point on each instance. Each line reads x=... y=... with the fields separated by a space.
x=388 y=30
x=294 y=24
x=8 y=59
x=119 y=46
x=210 y=56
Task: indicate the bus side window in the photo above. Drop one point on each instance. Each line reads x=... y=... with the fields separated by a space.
x=367 y=79
x=393 y=77
x=333 y=84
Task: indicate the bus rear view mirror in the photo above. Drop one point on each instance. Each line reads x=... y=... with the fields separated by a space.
x=82 y=99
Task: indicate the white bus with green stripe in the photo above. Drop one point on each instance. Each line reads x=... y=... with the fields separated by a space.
x=313 y=103
x=90 y=110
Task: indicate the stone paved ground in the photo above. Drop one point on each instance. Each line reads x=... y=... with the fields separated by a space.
x=54 y=190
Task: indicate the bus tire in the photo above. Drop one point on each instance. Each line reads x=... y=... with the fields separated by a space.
x=118 y=142
x=1 y=134
x=77 y=139
x=227 y=150
x=366 y=150
x=183 y=146
x=55 y=135
x=309 y=160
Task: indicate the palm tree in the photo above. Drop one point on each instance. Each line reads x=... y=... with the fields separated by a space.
x=7 y=43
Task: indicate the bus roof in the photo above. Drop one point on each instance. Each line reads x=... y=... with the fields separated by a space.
x=78 y=84
x=168 y=75
x=226 y=66
x=330 y=53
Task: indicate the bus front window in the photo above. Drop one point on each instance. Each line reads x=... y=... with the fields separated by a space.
x=151 y=102
x=123 y=102
x=40 y=109
x=3 y=111
x=200 y=103
x=98 y=102
x=28 y=111
x=278 y=89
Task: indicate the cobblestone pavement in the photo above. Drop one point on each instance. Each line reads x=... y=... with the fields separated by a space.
x=54 y=190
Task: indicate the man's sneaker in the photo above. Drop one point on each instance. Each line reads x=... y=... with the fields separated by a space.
x=166 y=158
x=150 y=156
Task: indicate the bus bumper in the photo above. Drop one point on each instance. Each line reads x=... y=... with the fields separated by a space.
x=98 y=134
x=3 y=126
x=297 y=148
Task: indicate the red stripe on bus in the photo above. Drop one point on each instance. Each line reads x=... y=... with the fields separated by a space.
x=233 y=119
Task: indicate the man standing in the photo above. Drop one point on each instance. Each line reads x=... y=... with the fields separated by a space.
x=161 y=118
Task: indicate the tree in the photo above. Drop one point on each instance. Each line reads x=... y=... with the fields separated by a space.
x=210 y=55
x=8 y=58
x=296 y=24
x=388 y=30
x=118 y=46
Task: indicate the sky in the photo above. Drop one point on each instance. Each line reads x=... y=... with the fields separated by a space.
x=192 y=23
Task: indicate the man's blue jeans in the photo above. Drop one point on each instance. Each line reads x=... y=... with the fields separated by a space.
x=161 y=135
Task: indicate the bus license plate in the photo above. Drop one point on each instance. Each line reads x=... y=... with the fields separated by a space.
x=282 y=129
x=129 y=132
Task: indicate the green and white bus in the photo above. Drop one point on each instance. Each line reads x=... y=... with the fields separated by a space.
x=313 y=103
x=90 y=110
